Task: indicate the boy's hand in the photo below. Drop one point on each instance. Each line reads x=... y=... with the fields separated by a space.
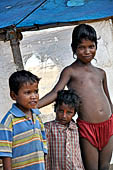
x=7 y=162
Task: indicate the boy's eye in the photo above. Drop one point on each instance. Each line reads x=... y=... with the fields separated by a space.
x=36 y=91
x=61 y=111
x=69 y=113
x=81 y=47
x=27 y=92
x=92 y=46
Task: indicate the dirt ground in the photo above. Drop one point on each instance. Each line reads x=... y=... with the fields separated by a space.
x=111 y=167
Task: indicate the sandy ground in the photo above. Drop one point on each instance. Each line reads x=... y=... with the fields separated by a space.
x=111 y=167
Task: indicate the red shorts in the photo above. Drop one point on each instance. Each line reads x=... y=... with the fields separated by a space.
x=98 y=134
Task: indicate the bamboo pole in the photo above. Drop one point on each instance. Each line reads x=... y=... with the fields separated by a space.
x=16 y=53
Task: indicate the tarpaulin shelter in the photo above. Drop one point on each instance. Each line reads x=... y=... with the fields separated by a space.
x=28 y=13
x=17 y=16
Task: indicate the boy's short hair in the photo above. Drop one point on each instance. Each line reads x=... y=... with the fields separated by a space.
x=80 y=32
x=18 y=78
x=68 y=97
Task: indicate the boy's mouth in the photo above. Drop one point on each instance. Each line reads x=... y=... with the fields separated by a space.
x=88 y=56
x=63 y=120
x=33 y=102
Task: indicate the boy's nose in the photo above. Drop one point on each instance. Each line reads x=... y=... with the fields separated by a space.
x=64 y=115
x=33 y=95
x=87 y=50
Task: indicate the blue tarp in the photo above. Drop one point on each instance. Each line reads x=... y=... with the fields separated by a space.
x=52 y=11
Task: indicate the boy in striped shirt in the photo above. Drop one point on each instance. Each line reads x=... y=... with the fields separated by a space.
x=62 y=134
x=22 y=133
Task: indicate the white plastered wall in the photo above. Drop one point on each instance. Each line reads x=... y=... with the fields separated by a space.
x=6 y=68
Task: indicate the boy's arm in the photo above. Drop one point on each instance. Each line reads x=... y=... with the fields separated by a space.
x=6 y=145
x=44 y=141
x=106 y=91
x=7 y=163
x=47 y=158
x=62 y=82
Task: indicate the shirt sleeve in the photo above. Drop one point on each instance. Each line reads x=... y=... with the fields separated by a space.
x=5 y=141
x=48 y=161
x=44 y=141
x=47 y=129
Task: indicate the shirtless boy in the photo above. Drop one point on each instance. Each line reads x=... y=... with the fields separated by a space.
x=95 y=118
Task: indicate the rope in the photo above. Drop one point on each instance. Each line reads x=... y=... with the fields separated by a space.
x=31 y=12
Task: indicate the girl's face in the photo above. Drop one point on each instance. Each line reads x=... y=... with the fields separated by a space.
x=64 y=113
x=86 y=51
x=27 y=97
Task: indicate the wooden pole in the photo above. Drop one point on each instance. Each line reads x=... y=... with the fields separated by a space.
x=16 y=53
x=14 y=37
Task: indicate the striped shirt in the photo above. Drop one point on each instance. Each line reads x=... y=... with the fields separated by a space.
x=23 y=140
x=63 y=147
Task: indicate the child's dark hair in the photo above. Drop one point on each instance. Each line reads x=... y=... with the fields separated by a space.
x=68 y=97
x=80 y=32
x=18 y=78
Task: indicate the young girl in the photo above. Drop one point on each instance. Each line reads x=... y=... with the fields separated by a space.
x=95 y=118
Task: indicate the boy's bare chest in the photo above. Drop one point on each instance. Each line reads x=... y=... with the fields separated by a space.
x=86 y=79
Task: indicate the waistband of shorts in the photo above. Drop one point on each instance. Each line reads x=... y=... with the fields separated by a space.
x=100 y=123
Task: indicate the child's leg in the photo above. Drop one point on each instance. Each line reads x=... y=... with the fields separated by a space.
x=90 y=155
x=105 y=155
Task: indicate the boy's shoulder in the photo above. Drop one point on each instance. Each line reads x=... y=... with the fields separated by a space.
x=100 y=71
x=54 y=126
x=7 y=119
x=49 y=124
x=72 y=67
x=36 y=111
x=69 y=67
x=13 y=113
x=68 y=70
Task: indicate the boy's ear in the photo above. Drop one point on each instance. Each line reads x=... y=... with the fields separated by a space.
x=13 y=95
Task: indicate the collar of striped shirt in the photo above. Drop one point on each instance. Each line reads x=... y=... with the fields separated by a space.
x=19 y=113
